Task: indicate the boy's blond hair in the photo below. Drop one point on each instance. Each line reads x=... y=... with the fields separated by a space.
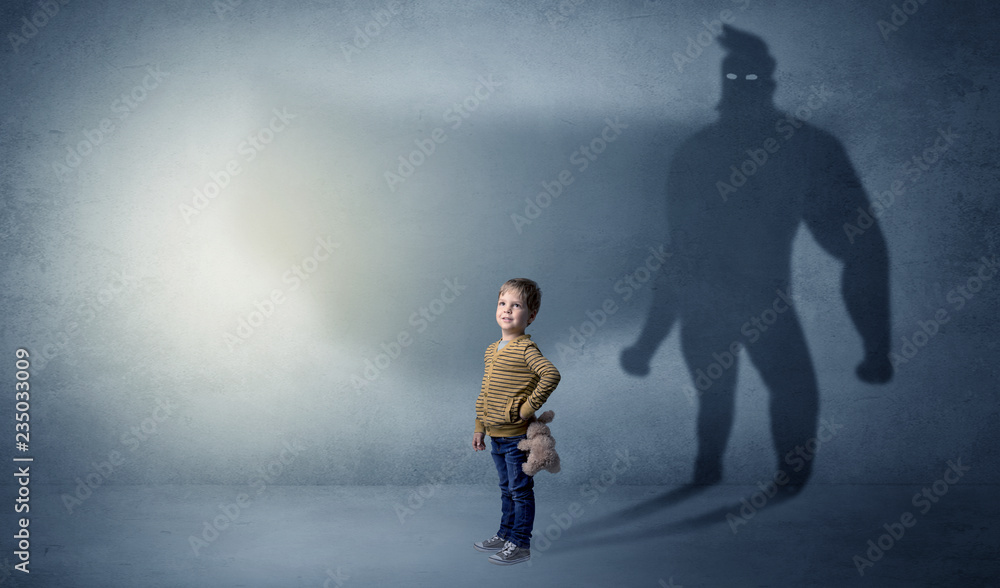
x=528 y=290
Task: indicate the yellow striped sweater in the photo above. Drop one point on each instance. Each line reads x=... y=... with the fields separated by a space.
x=516 y=375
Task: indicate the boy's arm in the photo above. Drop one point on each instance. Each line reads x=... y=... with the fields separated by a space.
x=480 y=427
x=548 y=379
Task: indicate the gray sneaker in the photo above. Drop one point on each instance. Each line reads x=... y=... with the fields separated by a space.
x=510 y=554
x=494 y=543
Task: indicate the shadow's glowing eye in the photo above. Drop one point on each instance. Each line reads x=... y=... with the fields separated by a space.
x=731 y=76
x=751 y=76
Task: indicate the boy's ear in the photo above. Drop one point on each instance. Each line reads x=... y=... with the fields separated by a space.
x=532 y=317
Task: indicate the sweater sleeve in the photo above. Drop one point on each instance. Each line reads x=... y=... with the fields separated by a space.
x=548 y=376
x=479 y=426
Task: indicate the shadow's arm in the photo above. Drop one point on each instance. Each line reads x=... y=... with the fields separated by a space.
x=842 y=220
x=661 y=317
x=663 y=310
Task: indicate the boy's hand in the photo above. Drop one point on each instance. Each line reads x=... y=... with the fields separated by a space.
x=526 y=413
x=477 y=441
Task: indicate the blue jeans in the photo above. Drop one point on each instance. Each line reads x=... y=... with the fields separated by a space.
x=516 y=491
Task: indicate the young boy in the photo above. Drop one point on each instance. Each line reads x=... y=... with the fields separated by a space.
x=517 y=382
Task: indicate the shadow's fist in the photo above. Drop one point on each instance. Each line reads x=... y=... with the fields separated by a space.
x=875 y=369
x=635 y=361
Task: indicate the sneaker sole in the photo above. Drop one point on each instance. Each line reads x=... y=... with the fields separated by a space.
x=500 y=562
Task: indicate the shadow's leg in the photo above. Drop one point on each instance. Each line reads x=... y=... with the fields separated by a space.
x=713 y=370
x=783 y=360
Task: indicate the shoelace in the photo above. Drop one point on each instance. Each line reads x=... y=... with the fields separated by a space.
x=508 y=549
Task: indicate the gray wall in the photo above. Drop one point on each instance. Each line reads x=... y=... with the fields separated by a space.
x=132 y=300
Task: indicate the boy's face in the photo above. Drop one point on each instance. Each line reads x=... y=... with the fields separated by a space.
x=513 y=315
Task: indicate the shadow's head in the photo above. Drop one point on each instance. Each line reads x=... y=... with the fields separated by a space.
x=747 y=72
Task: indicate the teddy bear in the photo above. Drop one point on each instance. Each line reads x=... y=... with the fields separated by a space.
x=540 y=445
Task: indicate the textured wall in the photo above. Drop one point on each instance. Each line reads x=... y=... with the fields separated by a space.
x=129 y=289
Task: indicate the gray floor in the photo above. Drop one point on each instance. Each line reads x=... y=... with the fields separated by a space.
x=290 y=536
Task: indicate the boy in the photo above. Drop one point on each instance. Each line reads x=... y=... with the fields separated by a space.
x=517 y=382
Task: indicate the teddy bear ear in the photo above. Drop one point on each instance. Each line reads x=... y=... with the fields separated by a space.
x=547 y=416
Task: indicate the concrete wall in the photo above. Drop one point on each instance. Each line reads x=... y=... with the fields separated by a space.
x=115 y=116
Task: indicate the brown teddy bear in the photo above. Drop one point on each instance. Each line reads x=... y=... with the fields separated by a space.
x=540 y=445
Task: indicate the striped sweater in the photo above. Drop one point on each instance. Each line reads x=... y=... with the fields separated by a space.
x=516 y=375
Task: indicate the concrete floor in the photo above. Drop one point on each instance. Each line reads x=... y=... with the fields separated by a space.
x=289 y=536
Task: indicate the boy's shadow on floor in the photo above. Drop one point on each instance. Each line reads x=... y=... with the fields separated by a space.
x=647 y=508
x=600 y=532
